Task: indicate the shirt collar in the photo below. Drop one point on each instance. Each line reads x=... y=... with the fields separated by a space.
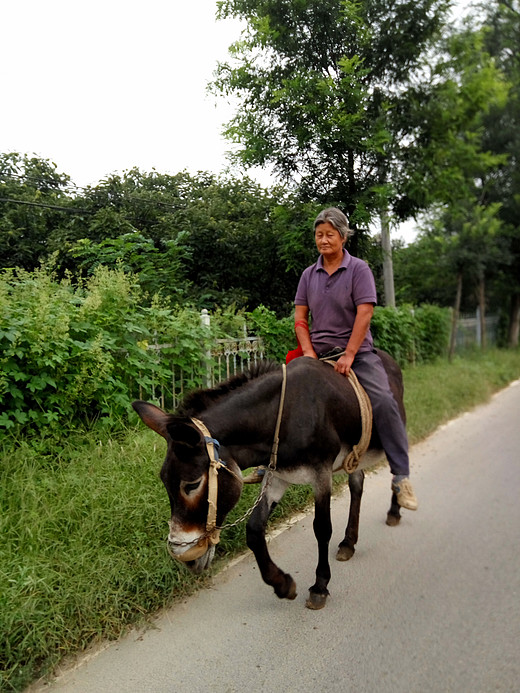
x=344 y=263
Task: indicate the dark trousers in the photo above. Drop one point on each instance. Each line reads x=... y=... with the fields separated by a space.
x=390 y=427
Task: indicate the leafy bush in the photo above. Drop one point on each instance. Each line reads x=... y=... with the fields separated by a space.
x=412 y=335
x=80 y=353
x=277 y=334
x=392 y=329
x=74 y=354
x=432 y=332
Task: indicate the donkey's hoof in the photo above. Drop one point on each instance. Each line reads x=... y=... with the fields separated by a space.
x=286 y=588
x=393 y=520
x=292 y=593
x=345 y=553
x=316 y=601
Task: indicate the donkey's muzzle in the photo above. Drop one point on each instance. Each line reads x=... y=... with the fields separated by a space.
x=197 y=550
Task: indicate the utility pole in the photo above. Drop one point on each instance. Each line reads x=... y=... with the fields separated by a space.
x=388 y=268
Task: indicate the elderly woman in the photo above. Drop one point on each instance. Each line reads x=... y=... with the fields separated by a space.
x=339 y=293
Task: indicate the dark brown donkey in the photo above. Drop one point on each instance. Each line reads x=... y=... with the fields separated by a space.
x=219 y=432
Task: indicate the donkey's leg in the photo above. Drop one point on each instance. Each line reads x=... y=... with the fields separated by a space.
x=348 y=546
x=393 y=516
x=282 y=583
x=318 y=593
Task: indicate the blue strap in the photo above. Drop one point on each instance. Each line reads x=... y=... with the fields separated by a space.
x=216 y=445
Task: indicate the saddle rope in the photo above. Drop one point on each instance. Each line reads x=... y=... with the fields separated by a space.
x=352 y=460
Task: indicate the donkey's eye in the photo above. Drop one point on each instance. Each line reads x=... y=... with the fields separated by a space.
x=190 y=486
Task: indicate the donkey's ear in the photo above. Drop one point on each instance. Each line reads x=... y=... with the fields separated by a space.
x=152 y=416
x=184 y=433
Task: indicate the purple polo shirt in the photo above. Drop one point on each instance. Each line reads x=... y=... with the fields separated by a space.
x=333 y=301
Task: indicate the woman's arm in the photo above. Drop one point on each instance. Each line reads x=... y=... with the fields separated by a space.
x=301 y=327
x=359 y=331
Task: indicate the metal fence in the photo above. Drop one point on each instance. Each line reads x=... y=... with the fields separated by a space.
x=223 y=359
x=469 y=330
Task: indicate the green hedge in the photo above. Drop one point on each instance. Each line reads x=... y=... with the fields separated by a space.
x=412 y=335
x=72 y=354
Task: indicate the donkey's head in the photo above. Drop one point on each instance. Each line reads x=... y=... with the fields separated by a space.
x=201 y=487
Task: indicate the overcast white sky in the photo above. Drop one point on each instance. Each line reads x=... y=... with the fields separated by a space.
x=100 y=86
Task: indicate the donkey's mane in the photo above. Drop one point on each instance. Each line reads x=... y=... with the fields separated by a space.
x=198 y=401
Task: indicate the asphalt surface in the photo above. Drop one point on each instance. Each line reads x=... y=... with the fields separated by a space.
x=430 y=605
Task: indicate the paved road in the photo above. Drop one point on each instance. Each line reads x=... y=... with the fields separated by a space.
x=431 y=605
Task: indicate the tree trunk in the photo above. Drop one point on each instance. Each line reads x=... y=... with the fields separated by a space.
x=514 y=321
x=455 y=316
x=481 y=295
x=388 y=268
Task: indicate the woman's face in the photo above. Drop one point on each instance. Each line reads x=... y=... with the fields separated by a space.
x=328 y=240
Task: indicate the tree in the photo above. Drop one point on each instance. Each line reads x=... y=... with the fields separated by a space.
x=424 y=272
x=447 y=161
x=454 y=260
x=318 y=81
x=33 y=201
x=359 y=104
x=158 y=272
x=502 y=136
x=475 y=253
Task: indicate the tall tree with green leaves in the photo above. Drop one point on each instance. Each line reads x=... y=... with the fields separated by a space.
x=34 y=200
x=502 y=136
x=372 y=106
x=446 y=161
x=320 y=84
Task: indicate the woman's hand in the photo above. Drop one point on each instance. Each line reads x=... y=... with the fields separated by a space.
x=343 y=364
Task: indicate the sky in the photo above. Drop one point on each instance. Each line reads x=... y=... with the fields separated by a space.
x=102 y=86
x=98 y=87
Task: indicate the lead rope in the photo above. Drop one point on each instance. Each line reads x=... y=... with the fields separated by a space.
x=352 y=460
x=273 y=460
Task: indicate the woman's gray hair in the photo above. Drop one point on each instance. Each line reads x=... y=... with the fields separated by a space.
x=338 y=220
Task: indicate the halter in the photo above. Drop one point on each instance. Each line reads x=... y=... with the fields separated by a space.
x=211 y=536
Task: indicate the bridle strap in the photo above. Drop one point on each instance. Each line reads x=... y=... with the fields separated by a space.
x=215 y=463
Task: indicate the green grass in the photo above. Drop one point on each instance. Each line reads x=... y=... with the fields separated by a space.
x=436 y=392
x=84 y=521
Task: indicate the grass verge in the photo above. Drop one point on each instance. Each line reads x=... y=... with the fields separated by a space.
x=83 y=524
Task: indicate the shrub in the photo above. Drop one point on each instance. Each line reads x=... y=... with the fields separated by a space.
x=432 y=330
x=75 y=354
x=277 y=334
x=79 y=353
x=412 y=335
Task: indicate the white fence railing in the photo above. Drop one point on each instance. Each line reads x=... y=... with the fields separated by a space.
x=223 y=359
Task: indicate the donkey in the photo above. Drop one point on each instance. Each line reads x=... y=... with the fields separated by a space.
x=216 y=433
